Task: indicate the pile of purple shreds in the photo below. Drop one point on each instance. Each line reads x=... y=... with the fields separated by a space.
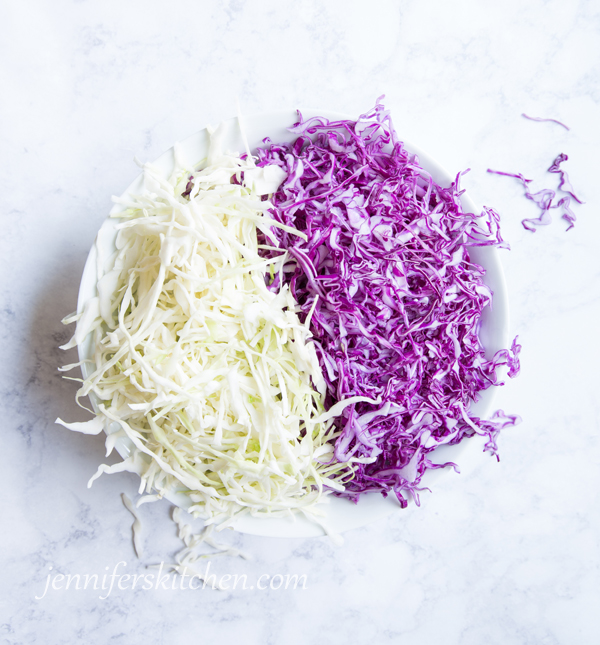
x=544 y=198
x=394 y=301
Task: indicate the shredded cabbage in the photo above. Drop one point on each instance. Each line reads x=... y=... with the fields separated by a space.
x=541 y=120
x=196 y=361
x=136 y=527
x=265 y=334
x=394 y=302
x=543 y=199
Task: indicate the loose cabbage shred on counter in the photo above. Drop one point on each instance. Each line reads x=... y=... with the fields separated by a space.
x=543 y=199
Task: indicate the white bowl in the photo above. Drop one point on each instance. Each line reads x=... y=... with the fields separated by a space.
x=341 y=514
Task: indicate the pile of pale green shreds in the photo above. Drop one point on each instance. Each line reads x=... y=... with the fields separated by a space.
x=206 y=371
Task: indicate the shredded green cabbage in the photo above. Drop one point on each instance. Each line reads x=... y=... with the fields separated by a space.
x=203 y=368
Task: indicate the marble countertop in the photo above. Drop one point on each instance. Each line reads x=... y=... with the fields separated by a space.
x=504 y=553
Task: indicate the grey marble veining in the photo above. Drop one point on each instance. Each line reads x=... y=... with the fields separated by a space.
x=505 y=553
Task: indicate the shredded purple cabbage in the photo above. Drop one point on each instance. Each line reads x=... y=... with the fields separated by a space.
x=565 y=184
x=188 y=187
x=396 y=300
x=537 y=118
x=544 y=198
x=568 y=214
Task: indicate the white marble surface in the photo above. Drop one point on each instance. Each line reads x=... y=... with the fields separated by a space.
x=504 y=553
